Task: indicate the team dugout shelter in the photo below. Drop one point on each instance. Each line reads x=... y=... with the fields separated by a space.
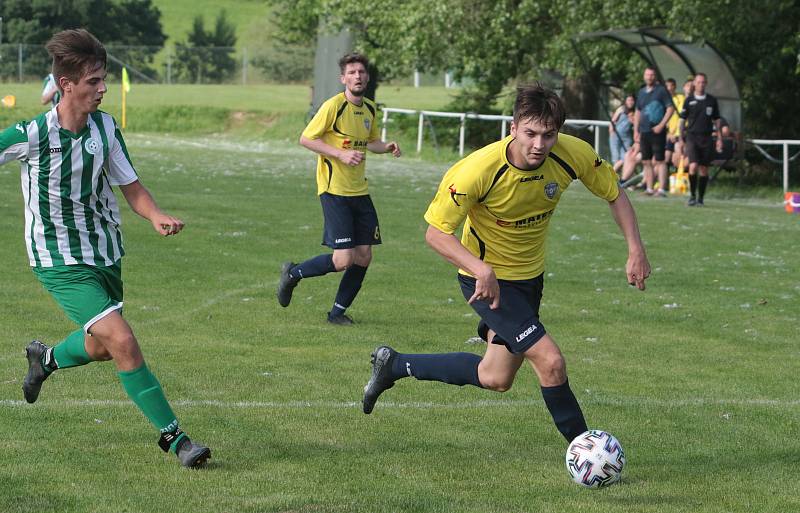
x=673 y=55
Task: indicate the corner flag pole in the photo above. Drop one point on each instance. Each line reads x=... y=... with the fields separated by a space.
x=126 y=87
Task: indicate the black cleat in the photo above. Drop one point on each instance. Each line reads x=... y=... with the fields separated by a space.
x=340 y=320
x=692 y=202
x=192 y=454
x=700 y=203
x=32 y=383
x=286 y=284
x=381 y=378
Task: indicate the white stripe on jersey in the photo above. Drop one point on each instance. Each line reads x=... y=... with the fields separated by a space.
x=34 y=230
x=97 y=222
x=54 y=194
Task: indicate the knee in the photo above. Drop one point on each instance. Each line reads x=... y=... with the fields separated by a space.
x=553 y=369
x=494 y=382
x=363 y=259
x=342 y=260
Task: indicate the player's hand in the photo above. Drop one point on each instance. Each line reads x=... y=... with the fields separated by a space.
x=637 y=269
x=658 y=128
x=351 y=157
x=487 y=289
x=167 y=225
x=394 y=148
x=719 y=145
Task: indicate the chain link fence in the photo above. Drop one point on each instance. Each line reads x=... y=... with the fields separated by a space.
x=179 y=65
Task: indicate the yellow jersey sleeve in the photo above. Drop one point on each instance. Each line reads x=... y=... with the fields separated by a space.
x=596 y=174
x=322 y=121
x=459 y=190
x=374 y=130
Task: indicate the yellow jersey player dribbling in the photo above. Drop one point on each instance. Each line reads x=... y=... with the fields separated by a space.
x=504 y=195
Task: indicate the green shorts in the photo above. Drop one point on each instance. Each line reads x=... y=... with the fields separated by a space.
x=85 y=292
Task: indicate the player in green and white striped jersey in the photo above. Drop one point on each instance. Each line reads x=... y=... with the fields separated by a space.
x=71 y=158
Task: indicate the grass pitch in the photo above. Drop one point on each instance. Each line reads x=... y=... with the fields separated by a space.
x=697 y=376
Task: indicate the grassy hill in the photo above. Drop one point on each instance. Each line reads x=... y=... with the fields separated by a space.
x=177 y=17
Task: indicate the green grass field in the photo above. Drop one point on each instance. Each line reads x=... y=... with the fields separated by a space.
x=697 y=376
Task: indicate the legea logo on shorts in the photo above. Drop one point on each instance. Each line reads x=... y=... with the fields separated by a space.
x=526 y=333
x=339 y=241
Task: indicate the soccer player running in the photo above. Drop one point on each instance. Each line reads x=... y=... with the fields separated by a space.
x=505 y=195
x=341 y=132
x=71 y=157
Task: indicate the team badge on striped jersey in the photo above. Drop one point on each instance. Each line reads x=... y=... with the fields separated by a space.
x=92 y=146
x=551 y=189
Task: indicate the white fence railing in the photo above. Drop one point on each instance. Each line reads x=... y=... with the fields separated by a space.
x=785 y=155
x=593 y=125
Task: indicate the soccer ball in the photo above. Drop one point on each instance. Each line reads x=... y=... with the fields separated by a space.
x=595 y=459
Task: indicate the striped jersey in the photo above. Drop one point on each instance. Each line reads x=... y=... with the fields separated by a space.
x=345 y=125
x=506 y=210
x=71 y=213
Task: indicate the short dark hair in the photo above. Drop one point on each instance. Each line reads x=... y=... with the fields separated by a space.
x=671 y=81
x=351 y=58
x=75 y=53
x=535 y=101
x=700 y=73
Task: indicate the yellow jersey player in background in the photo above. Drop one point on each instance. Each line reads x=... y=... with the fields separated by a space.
x=341 y=131
x=504 y=195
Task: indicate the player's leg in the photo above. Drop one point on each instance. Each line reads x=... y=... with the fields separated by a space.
x=144 y=389
x=337 y=234
x=548 y=363
x=356 y=269
x=516 y=319
x=366 y=233
x=78 y=289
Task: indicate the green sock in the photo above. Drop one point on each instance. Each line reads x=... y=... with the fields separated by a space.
x=71 y=352
x=145 y=391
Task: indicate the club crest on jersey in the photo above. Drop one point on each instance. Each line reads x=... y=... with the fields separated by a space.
x=92 y=146
x=366 y=123
x=551 y=189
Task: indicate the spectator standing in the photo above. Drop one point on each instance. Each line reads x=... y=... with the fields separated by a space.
x=653 y=110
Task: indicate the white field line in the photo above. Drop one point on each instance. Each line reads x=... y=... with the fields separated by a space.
x=300 y=405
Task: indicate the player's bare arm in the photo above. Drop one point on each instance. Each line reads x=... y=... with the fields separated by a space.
x=637 y=268
x=384 y=147
x=349 y=157
x=142 y=202
x=447 y=245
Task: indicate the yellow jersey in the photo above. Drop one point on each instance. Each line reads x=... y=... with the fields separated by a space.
x=344 y=125
x=672 y=124
x=506 y=210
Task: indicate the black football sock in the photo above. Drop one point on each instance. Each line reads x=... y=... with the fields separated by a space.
x=316 y=266
x=348 y=289
x=452 y=368
x=693 y=185
x=702 y=189
x=565 y=410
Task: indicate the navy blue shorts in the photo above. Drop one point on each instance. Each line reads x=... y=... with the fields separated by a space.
x=652 y=145
x=516 y=321
x=350 y=221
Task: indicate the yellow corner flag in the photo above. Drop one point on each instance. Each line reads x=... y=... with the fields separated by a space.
x=126 y=88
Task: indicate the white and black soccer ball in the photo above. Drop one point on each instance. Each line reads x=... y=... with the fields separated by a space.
x=595 y=459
